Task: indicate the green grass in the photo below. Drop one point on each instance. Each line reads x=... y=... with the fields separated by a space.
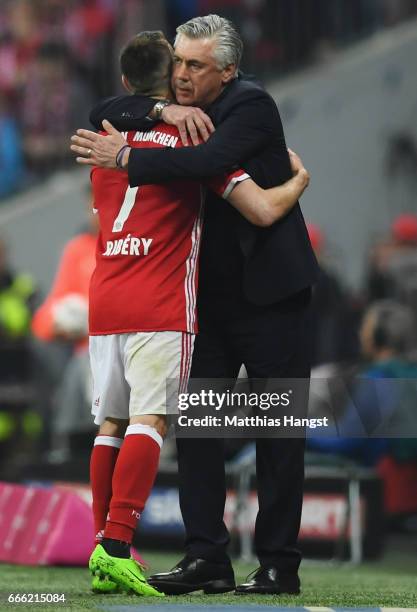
x=391 y=583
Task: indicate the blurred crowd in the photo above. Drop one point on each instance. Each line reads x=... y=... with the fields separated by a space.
x=58 y=56
x=51 y=55
x=367 y=343
x=45 y=383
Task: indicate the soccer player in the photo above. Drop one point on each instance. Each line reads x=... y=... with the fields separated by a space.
x=142 y=315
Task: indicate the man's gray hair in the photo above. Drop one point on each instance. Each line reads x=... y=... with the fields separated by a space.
x=229 y=47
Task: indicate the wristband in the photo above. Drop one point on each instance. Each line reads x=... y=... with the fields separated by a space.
x=119 y=156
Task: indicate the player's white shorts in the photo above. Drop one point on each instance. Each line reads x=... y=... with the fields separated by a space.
x=130 y=372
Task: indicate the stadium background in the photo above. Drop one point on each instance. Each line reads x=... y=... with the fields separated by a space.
x=343 y=74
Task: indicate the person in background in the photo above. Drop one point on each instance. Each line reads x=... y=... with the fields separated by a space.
x=60 y=325
x=334 y=314
x=19 y=45
x=53 y=101
x=17 y=295
x=17 y=291
x=11 y=159
x=89 y=31
x=387 y=335
x=393 y=264
x=63 y=314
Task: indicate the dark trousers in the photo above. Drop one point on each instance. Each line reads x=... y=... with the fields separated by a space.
x=272 y=342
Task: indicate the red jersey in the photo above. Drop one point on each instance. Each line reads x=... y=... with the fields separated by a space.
x=147 y=250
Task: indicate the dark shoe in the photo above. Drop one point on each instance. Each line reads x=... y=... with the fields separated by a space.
x=195 y=575
x=268 y=581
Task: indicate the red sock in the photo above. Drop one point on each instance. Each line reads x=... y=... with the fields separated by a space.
x=133 y=478
x=102 y=462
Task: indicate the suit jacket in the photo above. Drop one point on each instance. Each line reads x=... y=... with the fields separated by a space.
x=265 y=265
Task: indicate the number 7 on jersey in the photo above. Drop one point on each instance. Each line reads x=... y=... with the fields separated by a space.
x=125 y=209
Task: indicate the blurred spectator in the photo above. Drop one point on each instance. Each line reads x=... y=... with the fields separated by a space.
x=11 y=159
x=372 y=15
x=401 y=160
x=180 y=11
x=16 y=300
x=393 y=264
x=397 y=10
x=387 y=335
x=17 y=292
x=341 y=21
x=334 y=317
x=63 y=315
x=19 y=43
x=61 y=323
x=54 y=104
x=89 y=34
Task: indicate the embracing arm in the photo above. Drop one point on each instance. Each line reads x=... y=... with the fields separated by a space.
x=250 y=123
x=137 y=112
x=124 y=112
x=263 y=207
x=245 y=130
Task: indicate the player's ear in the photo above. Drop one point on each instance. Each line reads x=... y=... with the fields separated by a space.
x=228 y=73
x=126 y=84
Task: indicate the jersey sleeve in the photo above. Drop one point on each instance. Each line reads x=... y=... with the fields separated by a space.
x=224 y=185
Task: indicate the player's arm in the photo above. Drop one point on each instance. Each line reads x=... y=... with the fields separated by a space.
x=263 y=207
x=124 y=112
x=246 y=129
x=244 y=132
x=137 y=112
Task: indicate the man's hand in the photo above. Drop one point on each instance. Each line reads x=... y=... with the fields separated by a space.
x=97 y=150
x=189 y=120
x=298 y=169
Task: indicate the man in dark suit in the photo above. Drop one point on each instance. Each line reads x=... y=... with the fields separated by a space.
x=254 y=297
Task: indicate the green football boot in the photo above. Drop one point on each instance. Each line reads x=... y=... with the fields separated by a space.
x=103 y=585
x=126 y=574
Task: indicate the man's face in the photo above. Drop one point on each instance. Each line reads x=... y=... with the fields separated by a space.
x=196 y=78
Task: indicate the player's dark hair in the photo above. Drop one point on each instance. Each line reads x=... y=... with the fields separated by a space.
x=146 y=62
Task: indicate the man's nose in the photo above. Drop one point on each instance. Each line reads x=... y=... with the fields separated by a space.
x=181 y=72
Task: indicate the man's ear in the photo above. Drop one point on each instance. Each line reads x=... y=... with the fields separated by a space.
x=228 y=73
x=126 y=84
